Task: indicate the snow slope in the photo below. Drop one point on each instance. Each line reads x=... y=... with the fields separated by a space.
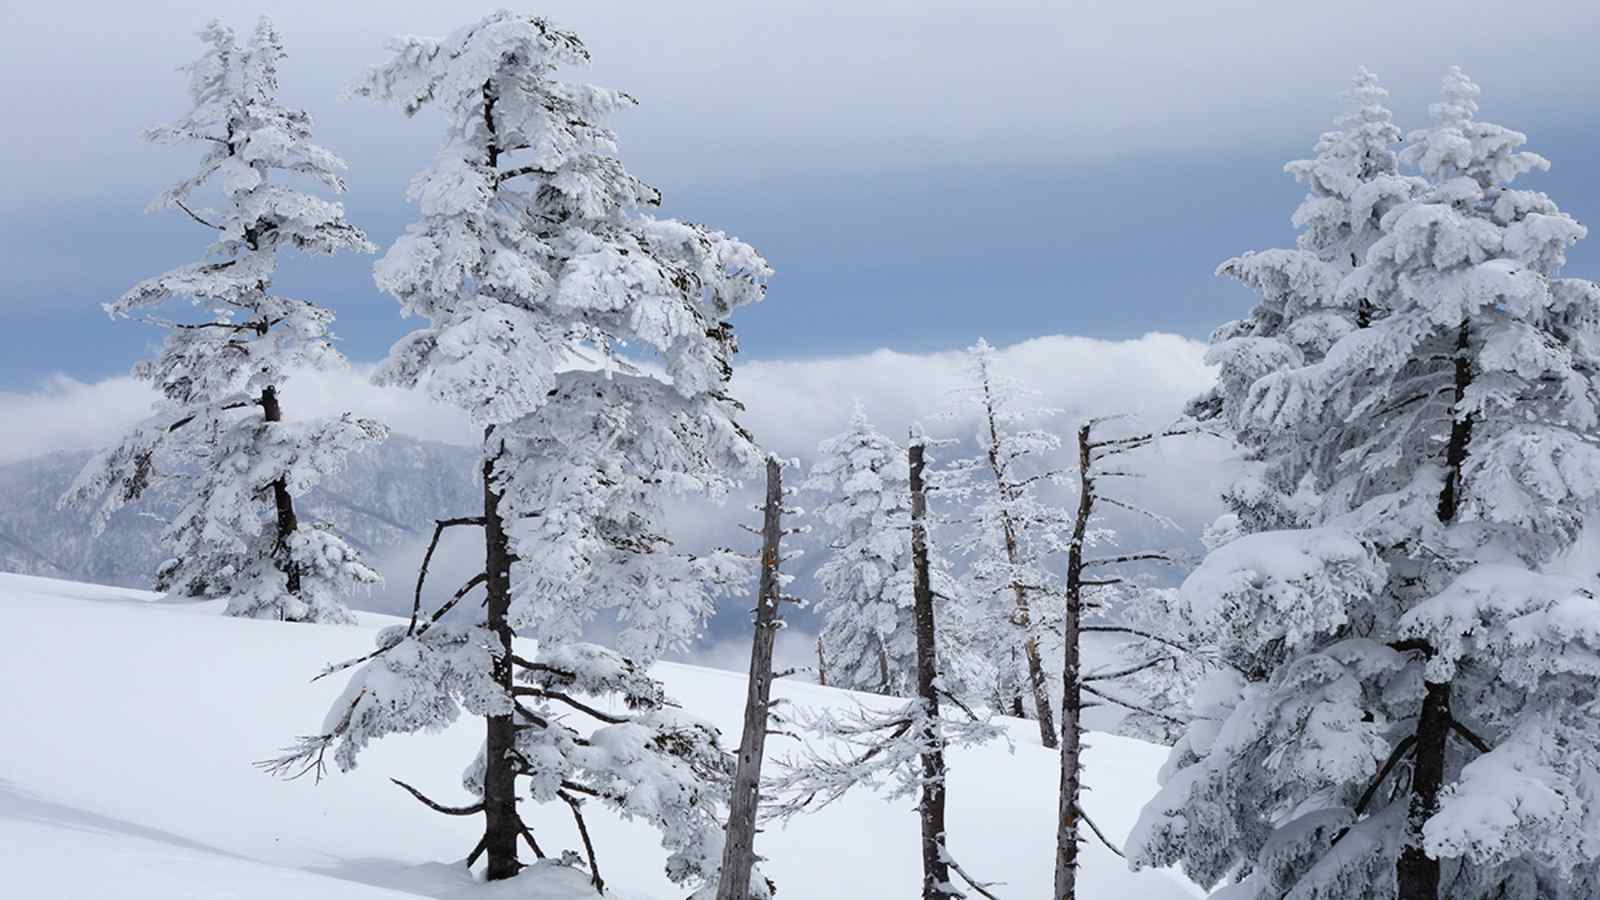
x=129 y=725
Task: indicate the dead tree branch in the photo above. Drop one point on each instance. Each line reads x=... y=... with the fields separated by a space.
x=1133 y=706
x=472 y=810
x=439 y=526
x=588 y=845
x=1100 y=834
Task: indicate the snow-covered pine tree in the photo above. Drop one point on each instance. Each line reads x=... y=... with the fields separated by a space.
x=868 y=606
x=1417 y=718
x=1011 y=536
x=220 y=421
x=1352 y=182
x=902 y=745
x=533 y=266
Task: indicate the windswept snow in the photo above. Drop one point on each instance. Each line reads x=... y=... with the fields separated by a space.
x=130 y=725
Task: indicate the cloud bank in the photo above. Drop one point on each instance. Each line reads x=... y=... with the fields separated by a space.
x=791 y=405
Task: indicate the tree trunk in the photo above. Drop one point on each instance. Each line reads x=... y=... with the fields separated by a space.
x=822 y=664
x=501 y=825
x=1066 y=886
x=738 y=851
x=1417 y=873
x=1030 y=647
x=935 y=870
x=272 y=411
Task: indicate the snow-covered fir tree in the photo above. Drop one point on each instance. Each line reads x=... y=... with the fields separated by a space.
x=220 y=422
x=1415 y=716
x=1352 y=182
x=1014 y=540
x=900 y=748
x=533 y=265
x=868 y=633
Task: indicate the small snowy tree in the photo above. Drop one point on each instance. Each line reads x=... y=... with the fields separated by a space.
x=868 y=599
x=220 y=420
x=533 y=266
x=1011 y=536
x=1415 y=717
x=902 y=745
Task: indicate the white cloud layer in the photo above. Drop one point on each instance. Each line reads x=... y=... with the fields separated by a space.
x=794 y=404
x=791 y=406
x=66 y=414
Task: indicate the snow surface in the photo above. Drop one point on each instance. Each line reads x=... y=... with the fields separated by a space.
x=130 y=725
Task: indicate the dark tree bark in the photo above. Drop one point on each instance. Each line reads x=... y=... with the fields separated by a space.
x=501 y=824
x=1417 y=873
x=1030 y=646
x=1066 y=882
x=272 y=411
x=738 y=851
x=822 y=664
x=935 y=870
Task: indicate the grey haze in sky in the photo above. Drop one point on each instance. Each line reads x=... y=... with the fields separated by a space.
x=918 y=172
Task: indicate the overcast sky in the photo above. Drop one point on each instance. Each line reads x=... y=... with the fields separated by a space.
x=918 y=172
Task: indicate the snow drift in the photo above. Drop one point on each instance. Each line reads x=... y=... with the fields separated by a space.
x=130 y=725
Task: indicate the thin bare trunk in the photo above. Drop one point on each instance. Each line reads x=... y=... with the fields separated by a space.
x=738 y=851
x=1066 y=885
x=1030 y=647
x=935 y=869
x=822 y=664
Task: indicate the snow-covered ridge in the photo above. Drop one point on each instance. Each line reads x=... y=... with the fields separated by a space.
x=130 y=726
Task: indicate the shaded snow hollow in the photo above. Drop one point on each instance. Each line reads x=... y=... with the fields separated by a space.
x=129 y=727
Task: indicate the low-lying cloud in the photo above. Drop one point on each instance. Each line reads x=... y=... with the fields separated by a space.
x=791 y=405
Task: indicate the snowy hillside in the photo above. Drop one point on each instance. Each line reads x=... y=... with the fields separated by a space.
x=130 y=725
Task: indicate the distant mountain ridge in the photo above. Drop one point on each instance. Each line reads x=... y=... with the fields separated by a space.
x=386 y=495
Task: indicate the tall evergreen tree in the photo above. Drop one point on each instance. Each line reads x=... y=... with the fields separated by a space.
x=220 y=421
x=533 y=267
x=1416 y=718
x=867 y=604
x=1352 y=182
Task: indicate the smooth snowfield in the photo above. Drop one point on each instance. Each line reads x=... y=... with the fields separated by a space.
x=129 y=727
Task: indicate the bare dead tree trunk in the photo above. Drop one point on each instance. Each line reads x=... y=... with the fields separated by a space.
x=738 y=851
x=935 y=869
x=822 y=664
x=501 y=824
x=1417 y=873
x=1066 y=884
x=272 y=411
x=1030 y=646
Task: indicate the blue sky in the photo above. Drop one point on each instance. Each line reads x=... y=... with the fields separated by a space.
x=919 y=174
